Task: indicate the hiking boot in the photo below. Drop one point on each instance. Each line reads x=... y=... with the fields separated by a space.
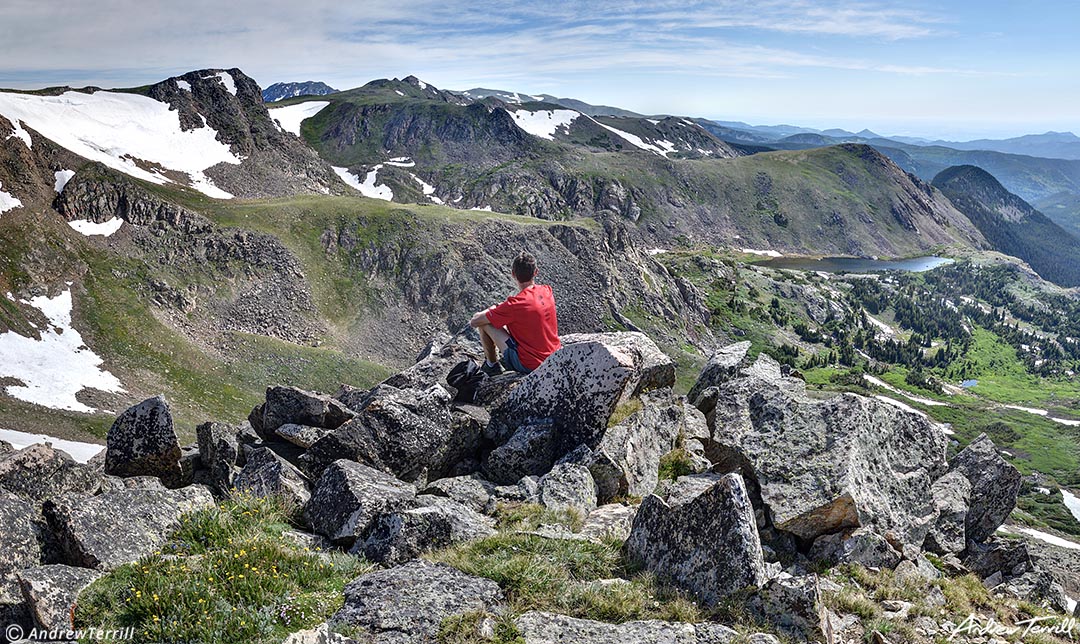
x=492 y=369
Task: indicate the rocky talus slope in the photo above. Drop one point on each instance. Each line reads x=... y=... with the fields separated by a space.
x=834 y=520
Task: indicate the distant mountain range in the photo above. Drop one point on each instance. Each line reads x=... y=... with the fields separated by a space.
x=282 y=91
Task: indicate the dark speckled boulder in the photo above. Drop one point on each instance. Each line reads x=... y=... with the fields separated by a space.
x=285 y=405
x=39 y=472
x=142 y=441
x=50 y=592
x=571 y=397
x=19 y=546
x=349 y=496
x=994 y=485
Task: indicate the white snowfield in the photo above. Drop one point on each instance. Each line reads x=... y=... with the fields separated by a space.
x=763 y=253
x=121 y=130
x=227 y=79
x=661 y=147
x=1045 y=414
x=366 y=187
x=543 y=123
x=62 y=178
x=884 y=385
x=56 y=367
x=429 y=190
x=290 y=117
x=89 y=228
x=1045 y=537
x=1071 y=502
x=81 y=452
x=8 y=200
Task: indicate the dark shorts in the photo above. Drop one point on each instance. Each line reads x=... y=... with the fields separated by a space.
x=510 y=358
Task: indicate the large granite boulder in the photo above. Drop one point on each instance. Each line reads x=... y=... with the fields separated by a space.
x=627 y=457
x=291 y=405
x=824 y=466
x=265 y=474
x=550 y=628
x=1010 y=558
x=702 y=538
x=994 y=485
x=396 y=537
x=568 y=486
x=794 y=606
x=114 y=528
x=19 y=547
x=142 y=441
x=410 y=432
x=39 y=472
x=568 y=400
x=407 y=604
x=951 y=494
x=472 y=491
x=349 y=496
x=724 y=365
x=50 y=592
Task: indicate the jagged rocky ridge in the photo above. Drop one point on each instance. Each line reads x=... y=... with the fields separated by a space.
x=784 y=484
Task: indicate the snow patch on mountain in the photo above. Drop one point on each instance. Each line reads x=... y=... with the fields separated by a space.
x=126 y=132
x=543 y=123
x=8 y=200
x=661 y=147
x=429 y=190
x=401 y=162
x=183 y=84
x=366 y=187
x=62 y=178
x=290 y=117
x=227 y=79
x=89 y=228
x=58 y=366
x=18 y=132
x=81 y=452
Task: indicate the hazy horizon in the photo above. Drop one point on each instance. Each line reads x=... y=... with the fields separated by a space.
x=953 y=70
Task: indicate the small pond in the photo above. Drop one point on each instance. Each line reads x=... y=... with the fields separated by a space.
x=856 y=264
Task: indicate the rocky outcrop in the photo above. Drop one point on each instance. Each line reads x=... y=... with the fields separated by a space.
x=50 y=592
x=19 y=547
x=39 y=472
x=396 y=537
x=472 y=491
x=994 y=485
x=864 y=547
x=825 y=466
x=265 y=474
x=111 y=529
x=702 y=538
x=568 y=400
x=219 y=450
x=795 y=607
x=609 y=522
x=407 y=604
x=550 y=628
x=724 y=365
x=566 y=486
x=349 y=496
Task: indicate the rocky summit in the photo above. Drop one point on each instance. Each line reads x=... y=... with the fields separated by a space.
x=447 y=502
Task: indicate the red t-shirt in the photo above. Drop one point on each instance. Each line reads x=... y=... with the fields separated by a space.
x=530 y=319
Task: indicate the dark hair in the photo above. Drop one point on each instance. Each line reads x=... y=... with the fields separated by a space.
x=524 y=268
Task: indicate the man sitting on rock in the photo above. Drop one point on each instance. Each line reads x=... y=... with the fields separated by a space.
x=523 y=327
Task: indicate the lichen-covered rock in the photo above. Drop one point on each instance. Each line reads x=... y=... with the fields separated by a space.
x=349 y=496
x=998 y=555
x=472 y=491
x=219 y=450
x=291 y=405
x=568 y=485
x=703 y=538
x=114 y=528
x=301 y=435
x=951 y=494
x=571 y=396
x=39 y=472
x=142 y=441
x=724 y=365
x=50 y=592
x=266 y=474
x=795 y=607
x=626 y=459
x=825 y=466
x=550 y=628
x=407 y=604
x=19 y=547
x=611 y=521
x=410 y=432
x=396 y=537
x=115 y=483
x=994 y=485
x=863 y=546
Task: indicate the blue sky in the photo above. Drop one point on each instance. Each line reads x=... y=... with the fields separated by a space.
x=946 y=69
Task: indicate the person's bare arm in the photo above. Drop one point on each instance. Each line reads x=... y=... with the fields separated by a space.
x=479 y=319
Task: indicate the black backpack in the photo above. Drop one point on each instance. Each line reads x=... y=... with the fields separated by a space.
x=465 y=377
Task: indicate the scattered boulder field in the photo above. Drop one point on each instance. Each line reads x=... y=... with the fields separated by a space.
x=775 y=486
